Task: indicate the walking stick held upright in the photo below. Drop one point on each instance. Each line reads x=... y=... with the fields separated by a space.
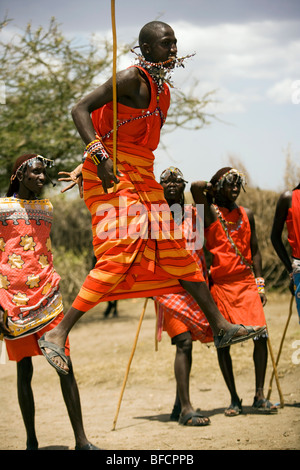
x=114 y=74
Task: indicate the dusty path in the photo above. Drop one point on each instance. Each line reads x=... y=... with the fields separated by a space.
x=101 y=350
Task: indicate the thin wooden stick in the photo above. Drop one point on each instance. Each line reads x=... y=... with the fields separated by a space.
x=276 y=374
x=155 y=337
x=129 y=363
x=114 y=79
x=281 y=344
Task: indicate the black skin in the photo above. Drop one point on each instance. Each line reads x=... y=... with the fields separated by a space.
x=173 y=192
x=284 y=203
x=133 y=90
x=227 y=197
x=31 y=183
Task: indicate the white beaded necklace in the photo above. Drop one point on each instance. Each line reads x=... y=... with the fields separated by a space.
x=160 y=71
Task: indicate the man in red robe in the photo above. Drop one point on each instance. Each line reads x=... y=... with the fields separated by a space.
x=179 y=314
x=230 y=237
x=288 y=213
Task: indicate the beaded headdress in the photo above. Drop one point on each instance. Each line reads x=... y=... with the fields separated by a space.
x=229 y=176
x=30 y=162
x=20 y=164
x=172 y=171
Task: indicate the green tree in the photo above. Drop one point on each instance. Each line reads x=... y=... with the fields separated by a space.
x=45 y=74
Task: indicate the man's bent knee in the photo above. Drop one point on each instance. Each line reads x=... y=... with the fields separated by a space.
x=183 y=341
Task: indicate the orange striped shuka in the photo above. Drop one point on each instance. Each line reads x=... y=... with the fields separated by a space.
x=233 y=285
x=139 y=249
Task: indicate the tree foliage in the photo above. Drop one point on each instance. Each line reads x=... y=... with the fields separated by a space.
x=45 y=74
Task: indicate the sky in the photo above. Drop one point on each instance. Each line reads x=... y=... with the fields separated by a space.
x=247 y=51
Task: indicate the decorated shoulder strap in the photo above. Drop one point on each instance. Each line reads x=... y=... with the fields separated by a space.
x=223 y=223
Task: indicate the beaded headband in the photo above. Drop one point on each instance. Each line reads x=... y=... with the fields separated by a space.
x=172 y=171
x=228 y=177
x=37 y=158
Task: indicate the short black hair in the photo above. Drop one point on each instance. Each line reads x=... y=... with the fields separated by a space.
x=14 y=182
x=148 y=31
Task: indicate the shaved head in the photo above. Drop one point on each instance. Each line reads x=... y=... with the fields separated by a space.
x=150 y=31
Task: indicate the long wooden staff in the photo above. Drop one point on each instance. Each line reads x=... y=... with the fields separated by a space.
x=114 y=80
x=281 y=344
x=129 y=363
x=274 y=372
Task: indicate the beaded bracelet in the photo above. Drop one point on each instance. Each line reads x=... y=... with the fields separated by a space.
x=92 y=145
x=260 y=282
x=97 y=151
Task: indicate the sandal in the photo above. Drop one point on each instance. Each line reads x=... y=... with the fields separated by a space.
x=191 y=419
x=234 y=409
x=88 y=446
x=224 y=339
x=56 y=351
x=264 y=406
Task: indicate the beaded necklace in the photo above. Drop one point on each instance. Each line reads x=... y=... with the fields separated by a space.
x=225 y=224
x=161 y=71
x=157 y=111
x=158 y=72
x=226 y=230
x=232 y=226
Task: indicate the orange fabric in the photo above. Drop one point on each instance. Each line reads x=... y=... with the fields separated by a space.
x=226 y=261
x=293 y=224
x=140 y=251
x=239 y=301
x=178 y=313
x=233 y=286
x=28 y=346
x=141 y=132
x=173 y=326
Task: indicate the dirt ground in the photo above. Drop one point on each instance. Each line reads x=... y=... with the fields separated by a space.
x=101 y=349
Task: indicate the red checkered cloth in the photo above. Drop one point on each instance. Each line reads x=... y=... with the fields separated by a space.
x=183 y=306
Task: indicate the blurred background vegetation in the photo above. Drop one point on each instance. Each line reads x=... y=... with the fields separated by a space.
x=45 y=74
